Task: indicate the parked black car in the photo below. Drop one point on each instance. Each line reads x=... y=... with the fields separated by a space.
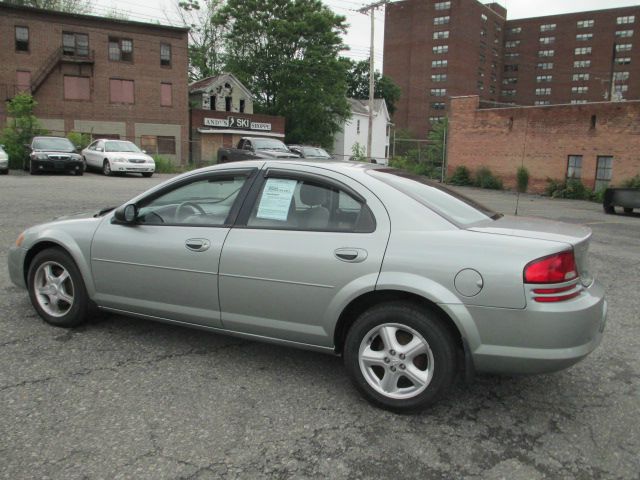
x=309 y=152
x=252 y=148
x=53 y=154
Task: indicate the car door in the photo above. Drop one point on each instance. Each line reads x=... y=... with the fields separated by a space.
x=94 y=158
x=165 y=265
x=307 y=241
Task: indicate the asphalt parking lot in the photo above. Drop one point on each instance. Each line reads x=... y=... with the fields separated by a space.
x=126 y=398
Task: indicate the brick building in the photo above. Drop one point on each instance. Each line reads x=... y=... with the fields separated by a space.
x=597 y=143
x=438 y=49
x=105 y=77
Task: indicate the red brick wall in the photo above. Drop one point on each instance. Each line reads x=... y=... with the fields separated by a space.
x=542 y=138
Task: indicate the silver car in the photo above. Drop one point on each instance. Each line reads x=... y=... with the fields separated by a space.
x=4 y=161
x=409 y=282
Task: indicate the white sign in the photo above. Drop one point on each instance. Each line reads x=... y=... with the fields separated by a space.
x=237 y=122
x=276 y=199
x=261 y=126
x=216 y=122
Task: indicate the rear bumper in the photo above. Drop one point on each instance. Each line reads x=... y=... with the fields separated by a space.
x=57 y=166
x=540 y=338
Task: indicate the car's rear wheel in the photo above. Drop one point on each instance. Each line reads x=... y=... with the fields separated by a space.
x=4 y=172
x=608 y=209
x=628 y=210
x=85 y=166
x=56 y=289
x=147 y=174
x=106 y=168
x=400 y=356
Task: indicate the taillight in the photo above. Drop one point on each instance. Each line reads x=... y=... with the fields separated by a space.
x=557 y=268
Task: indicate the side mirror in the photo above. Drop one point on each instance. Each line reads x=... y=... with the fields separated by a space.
x=99 y=149
x=126 y=214
x=144 y=151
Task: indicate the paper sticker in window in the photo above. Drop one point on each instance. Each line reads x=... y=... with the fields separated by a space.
x=276 y=199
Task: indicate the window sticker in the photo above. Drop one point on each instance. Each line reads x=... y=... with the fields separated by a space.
x=276 y=198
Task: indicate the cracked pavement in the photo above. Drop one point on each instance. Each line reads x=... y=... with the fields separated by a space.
x=125 y=398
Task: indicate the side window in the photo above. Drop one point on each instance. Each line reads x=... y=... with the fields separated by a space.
x=201 y=202
x=309 y=205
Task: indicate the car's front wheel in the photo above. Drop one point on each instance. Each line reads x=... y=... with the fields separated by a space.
x=56 y=289
x=400 y=356
x=106 y=168
x=147 y=174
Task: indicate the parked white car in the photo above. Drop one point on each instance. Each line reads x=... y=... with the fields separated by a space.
x=117 y=156
x=4 y=161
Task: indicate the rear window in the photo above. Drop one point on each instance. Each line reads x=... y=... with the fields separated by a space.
x=458 y=209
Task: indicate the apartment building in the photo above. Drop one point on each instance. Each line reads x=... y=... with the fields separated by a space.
x=438 y=49
x=100 y=76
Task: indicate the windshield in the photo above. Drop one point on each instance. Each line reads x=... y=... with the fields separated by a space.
x=269 y=144
x=121 y=146
x=315 y=152
x=52 y=143
x=456 y=208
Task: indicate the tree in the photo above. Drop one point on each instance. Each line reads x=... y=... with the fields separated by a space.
x=286 y=52
x=205 y=37
x=437 y=138
x=358 y=84
x=69 y=6
x=22 y=127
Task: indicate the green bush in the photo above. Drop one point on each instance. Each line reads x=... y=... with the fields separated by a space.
x=486 y=179
x=522 y=179
x=572 y=189
x=461 y=176
x=632 y=182
x=415 y=167
x=164 y=165
x=80 y=140
x=22 y=127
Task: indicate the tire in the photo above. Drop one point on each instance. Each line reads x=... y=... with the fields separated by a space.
x=4 y=172
x=106 y=168
x=85 y=167
x=147 y=174
x=66 y=303
x=628 y=210
x=434 y=365
x=32 y=169
x=609 y=210
x=79 y=173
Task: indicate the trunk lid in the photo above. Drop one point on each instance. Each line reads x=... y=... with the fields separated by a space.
x=577 y=236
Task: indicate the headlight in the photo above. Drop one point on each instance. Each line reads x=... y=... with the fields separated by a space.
x=41 y=156
x=120 y=160
x=76 y=157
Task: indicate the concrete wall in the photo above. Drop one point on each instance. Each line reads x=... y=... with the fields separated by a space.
x=542 y=138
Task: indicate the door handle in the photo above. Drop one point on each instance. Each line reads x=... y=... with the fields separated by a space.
x=198 y=244
x=351 y=255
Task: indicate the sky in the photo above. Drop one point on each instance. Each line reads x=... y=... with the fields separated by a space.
x=358 y=36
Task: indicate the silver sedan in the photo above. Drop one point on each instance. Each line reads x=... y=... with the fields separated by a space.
x=411 y=283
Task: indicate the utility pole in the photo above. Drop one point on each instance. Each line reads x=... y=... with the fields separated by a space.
x=371 y=9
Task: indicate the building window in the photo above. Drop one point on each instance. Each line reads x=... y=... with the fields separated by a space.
x=165 y=54
x=510 y=80
x=482 y=58
x=511 y=56
x=439 y=63
x=483 y=32
x=121 y=91
x=574 y=167
x=436 y=119
x=439 y=77
x=438 y=92
x=578 y=102
x=77 y=88
x=544 y=66
x=492 y=89
x=441 y=20
x=620 y=76
x=580 y=77
x=511 y=92
x=166 y=97
x=437 y=105
x=582 y=64
x=442 y=35
x=120 y=49
x=604 y=170
x=579 y=90
x=511 y=68
x=75 y=44
x=544 y=78
x=623 y=47
x=546 y=53
x=440 y=49
x=160 y=145
x=543 y=91
x=23 y=81
x=623 y=60
x=626 y=20
x=484 y=17
x=624 y=33
x=358 y=127
x=621 y=88
x=22 y=39
x=515 y=30
x=584 y=37
x=480 y=85
x=583 y=51
x=585 y=23
x=547 y=40
x=547 y=27
x=242 y=105
x=512 y=43
x=541 y=102
x=442 y=5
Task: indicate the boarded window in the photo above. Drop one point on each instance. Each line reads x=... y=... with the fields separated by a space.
x=153 y=144
x=22 y=39
x=167 y=145
x=23 y=81
x=166 y=99
x=121 y=91
x=165 y=54
x=77 y=88
x=149 y=143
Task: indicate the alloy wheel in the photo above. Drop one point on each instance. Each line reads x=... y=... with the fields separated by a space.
x=54 y=290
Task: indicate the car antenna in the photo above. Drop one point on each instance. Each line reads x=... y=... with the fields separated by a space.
x=524 y=150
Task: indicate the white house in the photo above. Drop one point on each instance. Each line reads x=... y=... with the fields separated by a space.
x=356 y=129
